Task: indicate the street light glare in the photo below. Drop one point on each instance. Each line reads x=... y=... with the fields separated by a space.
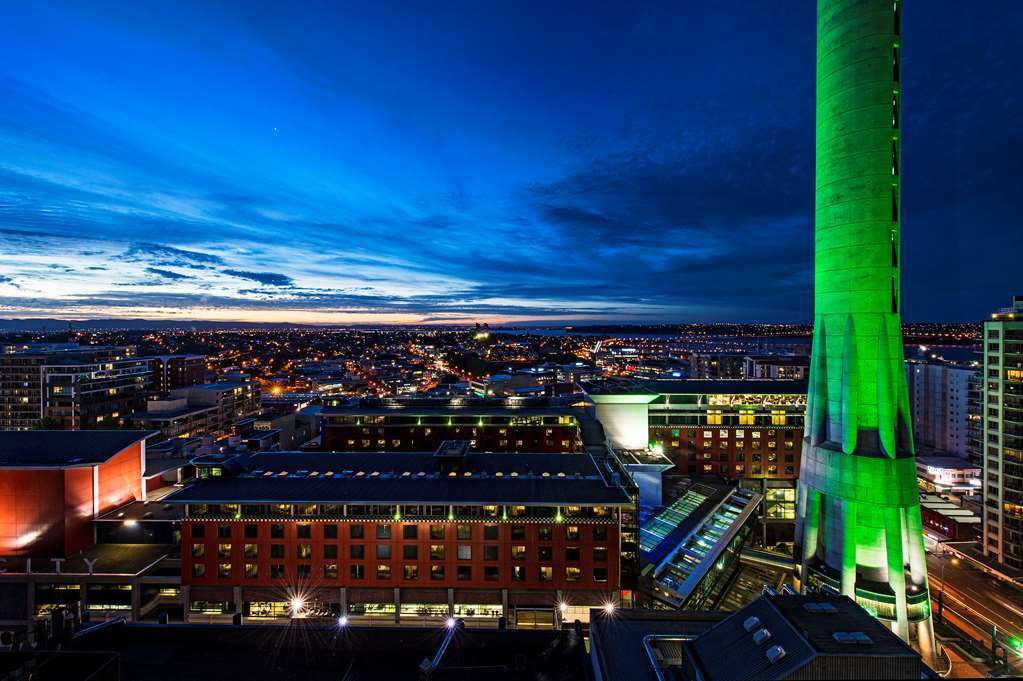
x=449 y=622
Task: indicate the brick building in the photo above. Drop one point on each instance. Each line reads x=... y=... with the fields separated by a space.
x=404 y=535
x=176 y=371
x=524 y=425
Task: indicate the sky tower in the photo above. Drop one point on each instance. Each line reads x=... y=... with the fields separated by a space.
x=859 y=526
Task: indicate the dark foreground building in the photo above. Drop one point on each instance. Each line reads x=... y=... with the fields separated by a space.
x=775 y=637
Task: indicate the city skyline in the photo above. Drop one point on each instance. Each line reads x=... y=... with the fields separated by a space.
x=379 y=166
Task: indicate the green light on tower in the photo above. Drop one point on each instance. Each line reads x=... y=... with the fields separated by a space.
x=859 y=513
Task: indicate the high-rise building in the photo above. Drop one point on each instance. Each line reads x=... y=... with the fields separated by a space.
x=938 y=398
x=71 y=387
x=1001 y=439
x=859 y=524
x=176 y=371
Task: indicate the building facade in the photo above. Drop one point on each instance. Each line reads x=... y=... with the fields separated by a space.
x=71 y=387
x=403 y=536
x=421 y=425
x=53 y=484
x=1001 y=438
x=939 y=399
x=176 y=371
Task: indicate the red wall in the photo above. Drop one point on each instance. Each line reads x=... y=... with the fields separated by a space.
x=120 y=478
x=31 y=512
x=504 y=542
x=48 y=513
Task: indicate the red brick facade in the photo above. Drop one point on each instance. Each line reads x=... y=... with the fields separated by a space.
x=418 y=555
x=732 y=451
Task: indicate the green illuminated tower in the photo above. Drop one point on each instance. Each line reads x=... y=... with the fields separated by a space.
x=859 y=514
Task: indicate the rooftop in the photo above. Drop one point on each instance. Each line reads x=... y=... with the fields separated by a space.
x=695 y=386
x=774 y=637
x=407 y=478
x=64 y=448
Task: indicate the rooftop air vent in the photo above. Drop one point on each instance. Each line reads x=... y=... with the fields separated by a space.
x=775 y=653
x=819 y=607
x=751 y=623
x=853 y=637
x=761 y=635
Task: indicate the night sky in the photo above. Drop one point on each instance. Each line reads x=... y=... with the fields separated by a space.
x=446 y=161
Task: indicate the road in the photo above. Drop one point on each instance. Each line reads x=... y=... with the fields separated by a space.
x=979 y=599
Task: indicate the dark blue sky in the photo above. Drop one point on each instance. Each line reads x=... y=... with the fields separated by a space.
x=317 y=162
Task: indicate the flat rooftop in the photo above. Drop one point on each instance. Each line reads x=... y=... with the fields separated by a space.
x=64 y=448
x=696 y=386
x=407 y=478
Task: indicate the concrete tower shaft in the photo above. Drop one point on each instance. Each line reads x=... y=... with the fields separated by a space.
x=859 y=525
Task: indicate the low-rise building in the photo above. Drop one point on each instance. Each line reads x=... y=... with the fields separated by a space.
x=403 y=536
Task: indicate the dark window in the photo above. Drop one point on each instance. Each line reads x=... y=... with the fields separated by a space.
x=384 y=551
x=518 y=532
x=489 y=553
x=276 y=571
x=277 y=550
x=895 y=203
x=895 y=63
x=600 y=554
x=545 y=553
x=277 y=531
x=224 y=531
x=572 y=553
x=357 y=551
x=464 y=573
x=198 y=530
x=491 y=573
x=330 y=531
x=545 y=532
x=305 y=571
x=304 y=531
x=355 y=531
x=383 y=531
x=357 y=571
x=410 y=552
x=410 y=532
x=437 y=572
x=895 y=300
x=600 y=574
x=330 y=550
x=251 y=531
x=490 y=532
x=600 y=533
